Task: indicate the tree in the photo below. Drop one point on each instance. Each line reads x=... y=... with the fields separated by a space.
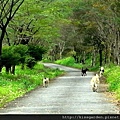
x=22 y=50
x=99 y=26
x=8 y=9
x=36 y=52
x=10 y=58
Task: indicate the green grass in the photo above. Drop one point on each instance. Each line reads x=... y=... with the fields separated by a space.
x=13 y=86
x=112 y=73
x=69 y=61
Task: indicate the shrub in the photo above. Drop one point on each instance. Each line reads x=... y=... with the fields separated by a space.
x=30 y=62
x=36 y=52
x=22 y=51
x=66 y=61
x=9 y=57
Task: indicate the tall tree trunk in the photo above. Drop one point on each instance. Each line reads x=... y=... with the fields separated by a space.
x=1 y=39
x=117 y=48
x=84 y=56
x=106 y=55
x=7 y=69
x=108 y=52
x=13 y=70
x=93 y=59
x=22 y=66
x=100 y=53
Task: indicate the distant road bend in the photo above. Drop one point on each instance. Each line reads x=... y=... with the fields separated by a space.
x=68 y=94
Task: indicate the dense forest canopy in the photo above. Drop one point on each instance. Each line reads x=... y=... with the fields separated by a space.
x=79 y=28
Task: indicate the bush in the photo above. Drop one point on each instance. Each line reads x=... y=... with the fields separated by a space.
x=69 y=61
x=22 y=51
x=9 y=57
x=112 y=74
x=36 y=52
x=66 y=61
x=30 y=62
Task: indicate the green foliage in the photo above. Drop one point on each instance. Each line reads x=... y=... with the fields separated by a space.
x=9 y=56
x=30 y=62
x=113 y=78
x=36 y=51
x=66 y=61
x=46 y=60
x=112 y=74
x=13 y=55
x=22 y=51
x=69 y=61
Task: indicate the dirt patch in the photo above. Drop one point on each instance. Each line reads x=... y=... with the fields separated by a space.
x=103 y=86
x=112 y=98
x=103 y=80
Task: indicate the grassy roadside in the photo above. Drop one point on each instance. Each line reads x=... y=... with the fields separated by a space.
x=13 y=86
x=69 y=61
x=112 y=74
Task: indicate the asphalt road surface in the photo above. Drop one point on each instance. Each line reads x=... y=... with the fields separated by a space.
x=68 y=94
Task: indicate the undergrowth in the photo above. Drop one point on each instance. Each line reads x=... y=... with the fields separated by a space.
x=112 y=74
x=69 y=61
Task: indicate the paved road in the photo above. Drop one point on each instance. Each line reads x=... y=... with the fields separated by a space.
x=68 y=94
